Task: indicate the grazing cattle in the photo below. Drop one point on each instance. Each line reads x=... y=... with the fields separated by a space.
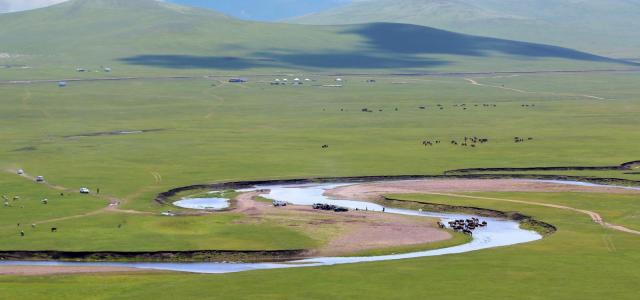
x=54 y=229
x=325 y=146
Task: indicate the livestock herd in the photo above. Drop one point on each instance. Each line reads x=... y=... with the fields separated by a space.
x=465 y=226
x=470 y=141
x=467 y=141
x=426 y=107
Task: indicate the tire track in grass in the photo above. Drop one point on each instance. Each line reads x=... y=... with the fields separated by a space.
x=26 y=106
x=113 y=205
x=472 y=81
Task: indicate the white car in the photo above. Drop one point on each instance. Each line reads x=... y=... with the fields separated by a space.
x=84 y=191
x=40 y=179
x=20 y=172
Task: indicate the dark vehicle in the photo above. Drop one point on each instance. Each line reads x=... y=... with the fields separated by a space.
x=335 y=208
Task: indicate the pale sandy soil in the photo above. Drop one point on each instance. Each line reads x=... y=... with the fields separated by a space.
x=375 y=189
x=346 y=232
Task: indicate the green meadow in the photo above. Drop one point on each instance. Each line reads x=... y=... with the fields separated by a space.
x=581 y=260
x=134 y=138
x=212 y=131
x=202 y=131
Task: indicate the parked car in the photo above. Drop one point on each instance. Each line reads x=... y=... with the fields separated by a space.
x=84 y=190
x=277 y=203
x=39 y=178
x=20 y=172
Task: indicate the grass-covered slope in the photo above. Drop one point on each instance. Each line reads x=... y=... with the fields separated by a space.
x=148 y=37
x=604 y=27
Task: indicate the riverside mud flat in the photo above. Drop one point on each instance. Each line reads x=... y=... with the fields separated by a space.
x=374 y=190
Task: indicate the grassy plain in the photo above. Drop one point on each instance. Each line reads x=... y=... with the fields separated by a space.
x=214 y=131
x=84 y=225
x=578 y=261
x=256 y=131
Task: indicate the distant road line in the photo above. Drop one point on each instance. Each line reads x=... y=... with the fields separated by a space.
x=476 y=83
x=422 y=74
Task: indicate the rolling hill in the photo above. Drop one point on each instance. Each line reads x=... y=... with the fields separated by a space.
x=152 y=37
x=605 y=27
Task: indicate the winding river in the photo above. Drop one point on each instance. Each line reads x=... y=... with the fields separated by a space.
x=499 y=233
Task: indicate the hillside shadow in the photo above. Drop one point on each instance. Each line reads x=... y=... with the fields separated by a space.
x=414 y=39
x=386 y=45
x=176 y=61
x=350 y=60
x=292 y=59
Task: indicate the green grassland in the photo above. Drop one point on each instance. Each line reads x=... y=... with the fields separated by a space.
x=83 y=226
x=582 y=260
x=256 y=131
x=204 y=130
x=30 y=209
x=214 y=131
x=156 y=233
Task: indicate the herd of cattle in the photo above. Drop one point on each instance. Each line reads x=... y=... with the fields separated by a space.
x=426 y=107
x=465 y=226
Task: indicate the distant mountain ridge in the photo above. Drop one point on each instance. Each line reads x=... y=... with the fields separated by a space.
x=604 y=27
x=148 y=36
